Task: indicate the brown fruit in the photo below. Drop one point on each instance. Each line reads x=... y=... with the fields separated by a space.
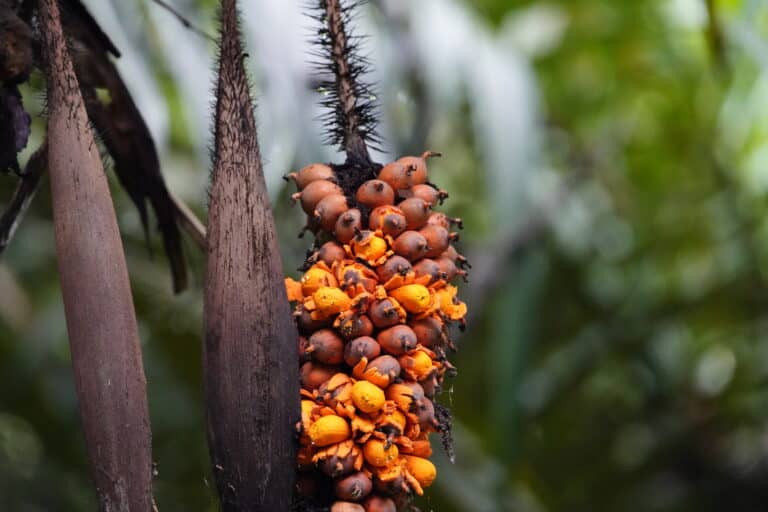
x=452 y=254
x=310 y=173
x=314 y=193
x=397 y=340
x=441 y=219
x=303 y=345
x=389 y=219
x=397 y=175
x=364 y=346
x=384 y=313
x=429 y=267
x=375 y=193
x=330 y=252
x=354 y=487
x=354 y=326
x=326 y=347
x=438 y=239
x=416 y=212
x=347 y=225
x=379 y=504
x=336 y=466
x=411 y=245
x=306 y=324
x=329 y=209
x=449 y=268
x=431 y=195
x=394 y=266
x=313 y=375
x=429 y=331
x=381 y=371
x=419 y=166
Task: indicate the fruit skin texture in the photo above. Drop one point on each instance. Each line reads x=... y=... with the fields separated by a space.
x=367 y=397
x=329 y=430
x=373 y=309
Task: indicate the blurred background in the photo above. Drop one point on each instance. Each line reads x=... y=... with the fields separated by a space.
x=610 y=162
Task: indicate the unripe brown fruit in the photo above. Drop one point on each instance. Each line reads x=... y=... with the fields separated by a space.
x=449 y=268
x=441 y=219
x=314 y=193
x=429 y=267
x=431 y=195
x=438 y=239
x=452 y=254
x=364 y=346
x=397 y=340
x=305 y=322
x=379 y=504
x=397 y=175
x=425 y=412
x=416 y=212
x=330 y=252
x=394 y=266
x=411 y=245
x=375 y=193
x=329 y=209
x=336 y=466
x=313 y=375
x=310 y=173
x=345 y=506
x=354 y=487
x=389 y=219
x=382 y=371
x=429 y=331
x=354 y=326
x=419 y=166
x=347 y=225
x=383 y=313
x=326 y=347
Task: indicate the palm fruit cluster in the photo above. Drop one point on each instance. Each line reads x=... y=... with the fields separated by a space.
x=373 y=309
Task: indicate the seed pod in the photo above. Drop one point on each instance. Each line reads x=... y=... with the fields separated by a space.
x=385 y=313
x=313 y=375
x=330 y=252
x=316 y=278
x=429 y=331
x=417 y=365
x=416 y=212
x=381 y=371
x=429 y=267
x=305 y=322
x=449 y=269
x=310 y=173
x=354 y=487
x=441 y=219
x=377 y=453
x=397 y=340
x=364 y=346
x=329 y=430
x=379 y=504
x=314 y=193
x=390 y=220
x=419 y=166
x=421 y=469
x=329 y=209
x=345 y=506
x=369 y=247
x=431 y=195
x=438 y=239
x=367 y=397
x=397 y=175
x=415 y=298
x=335 y=466
x=411 y=245
x=354 y=326
x=375 y=193
x=396 y=265
x=326 y=347
x=348 y=223
x=330 y=301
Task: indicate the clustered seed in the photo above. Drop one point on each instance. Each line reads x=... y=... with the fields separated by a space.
x=373 y=309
